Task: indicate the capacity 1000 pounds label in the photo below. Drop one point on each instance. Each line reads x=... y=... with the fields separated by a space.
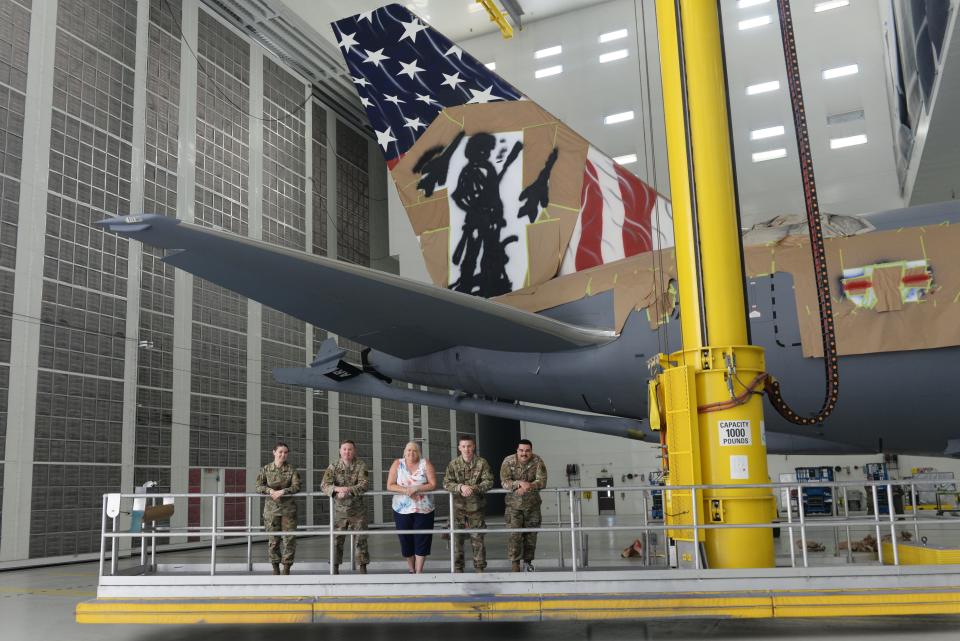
x=734 y=432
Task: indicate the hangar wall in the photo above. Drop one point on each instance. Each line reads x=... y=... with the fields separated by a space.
x=116 y=369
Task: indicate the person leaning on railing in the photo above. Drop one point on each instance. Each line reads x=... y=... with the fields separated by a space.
x=346 y=480
x=279 y=480
x=409 y=478
x=523 y=475
x=469 y=478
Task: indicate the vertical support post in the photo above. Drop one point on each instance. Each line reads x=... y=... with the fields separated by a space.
x=846 y=517
x=559 y=523
x=331 y=534
x=453 y=542
x=153 y=550
x=793 y=551
x=573 y=535
x=803 y=527
x=249 y=534
x=913 y=502
x=876 y=520
x=645 y=522
x=893 y=526
x=213 y=535
x=103 y=535
x=113 y=547
x=696 y=529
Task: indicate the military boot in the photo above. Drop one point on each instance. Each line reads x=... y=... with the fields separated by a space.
x=276 y=568
x=286 y=568
x=363 y=569
x=515 y=567
x=336 y=569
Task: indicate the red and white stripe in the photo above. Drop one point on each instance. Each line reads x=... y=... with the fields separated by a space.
x=617 y=217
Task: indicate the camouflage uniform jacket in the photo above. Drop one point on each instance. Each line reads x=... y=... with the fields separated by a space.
x=354 y=477
x=284 y=478
x=533 y=471
x=477 y=474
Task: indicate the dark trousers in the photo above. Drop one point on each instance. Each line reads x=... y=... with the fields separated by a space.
x=414 y=544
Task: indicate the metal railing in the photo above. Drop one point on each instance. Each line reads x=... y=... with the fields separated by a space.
x=569 y=526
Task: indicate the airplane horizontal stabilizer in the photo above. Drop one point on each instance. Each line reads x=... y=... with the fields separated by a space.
x=391 y=314
x=366 y=384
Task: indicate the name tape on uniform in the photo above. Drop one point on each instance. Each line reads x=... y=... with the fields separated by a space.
x=734 y=432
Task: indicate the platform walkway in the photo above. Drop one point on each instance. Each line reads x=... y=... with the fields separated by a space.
x=579 y=576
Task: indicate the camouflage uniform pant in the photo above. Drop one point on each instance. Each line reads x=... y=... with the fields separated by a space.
x=280 y=518
x=351 y=522
x=469 y=521
x=522 y=545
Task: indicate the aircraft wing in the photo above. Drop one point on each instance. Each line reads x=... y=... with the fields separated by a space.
x=391 y=314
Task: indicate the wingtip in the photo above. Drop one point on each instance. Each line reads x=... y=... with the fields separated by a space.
x=130 y=224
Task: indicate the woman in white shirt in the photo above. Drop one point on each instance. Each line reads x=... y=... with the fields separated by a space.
x=409 y=478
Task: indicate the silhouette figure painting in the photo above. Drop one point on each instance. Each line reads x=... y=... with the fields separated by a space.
x=490 y=207
x=478 y=194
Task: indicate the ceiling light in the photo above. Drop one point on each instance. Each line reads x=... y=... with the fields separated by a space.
x=743 y=4
x=849 y=141
x=613 y=119
x=613 y=35
x=839 y=72
x=830 y=4
x=492 y=66
x=773 y=154
x=763 y=87
x=752 y=23
x=619 y=54
x=546 y=53
x=625 y=160
x=849 y=116
x=549 y=71
x=474 y=7
x=768 y=132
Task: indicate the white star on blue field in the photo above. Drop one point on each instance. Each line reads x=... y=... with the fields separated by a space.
x=405 y=73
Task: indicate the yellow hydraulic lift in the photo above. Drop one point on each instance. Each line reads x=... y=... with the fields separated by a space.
x=704 y=395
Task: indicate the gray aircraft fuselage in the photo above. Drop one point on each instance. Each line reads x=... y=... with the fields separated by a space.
x=889 y=401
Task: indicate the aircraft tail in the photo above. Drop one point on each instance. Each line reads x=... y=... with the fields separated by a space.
x=501 y=194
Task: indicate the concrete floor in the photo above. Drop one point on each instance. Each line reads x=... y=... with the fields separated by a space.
x=39 y=603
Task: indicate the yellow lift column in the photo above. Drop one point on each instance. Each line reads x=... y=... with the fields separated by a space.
x=713 y=421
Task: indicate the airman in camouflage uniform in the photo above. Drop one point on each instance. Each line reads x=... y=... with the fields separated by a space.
x=523 y=474
x=280 y=479
x=347 y=480
x=468 y=478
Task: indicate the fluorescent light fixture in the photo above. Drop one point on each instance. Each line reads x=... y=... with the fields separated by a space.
x=849 y=141
x=549 y=51
x=763 y=87
x=768 y=132
x=625 y=160
x=830 y=4
x=619 y=54
x=752 y=23
x=613 y=119
x=848 y=116
x=613 y=35
x=474 y=7
x=492 y=66
x=549 y=71
x=839 y=72
x=744 y=4
x=772 y=154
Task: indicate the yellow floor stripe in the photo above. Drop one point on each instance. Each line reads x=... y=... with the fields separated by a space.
x=862 y=603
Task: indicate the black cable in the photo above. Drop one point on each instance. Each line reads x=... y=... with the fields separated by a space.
x=828 y=332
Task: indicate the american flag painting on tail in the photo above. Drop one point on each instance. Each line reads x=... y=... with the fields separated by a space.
x=501 y=195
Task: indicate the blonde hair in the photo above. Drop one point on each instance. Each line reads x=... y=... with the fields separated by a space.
x=416 y=446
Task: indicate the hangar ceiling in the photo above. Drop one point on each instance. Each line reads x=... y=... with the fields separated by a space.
x=841 y=110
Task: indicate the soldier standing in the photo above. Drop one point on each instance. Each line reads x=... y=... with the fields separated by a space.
x=523 y=475
x=468 y=478
x=279 y=480
x=347 y=480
